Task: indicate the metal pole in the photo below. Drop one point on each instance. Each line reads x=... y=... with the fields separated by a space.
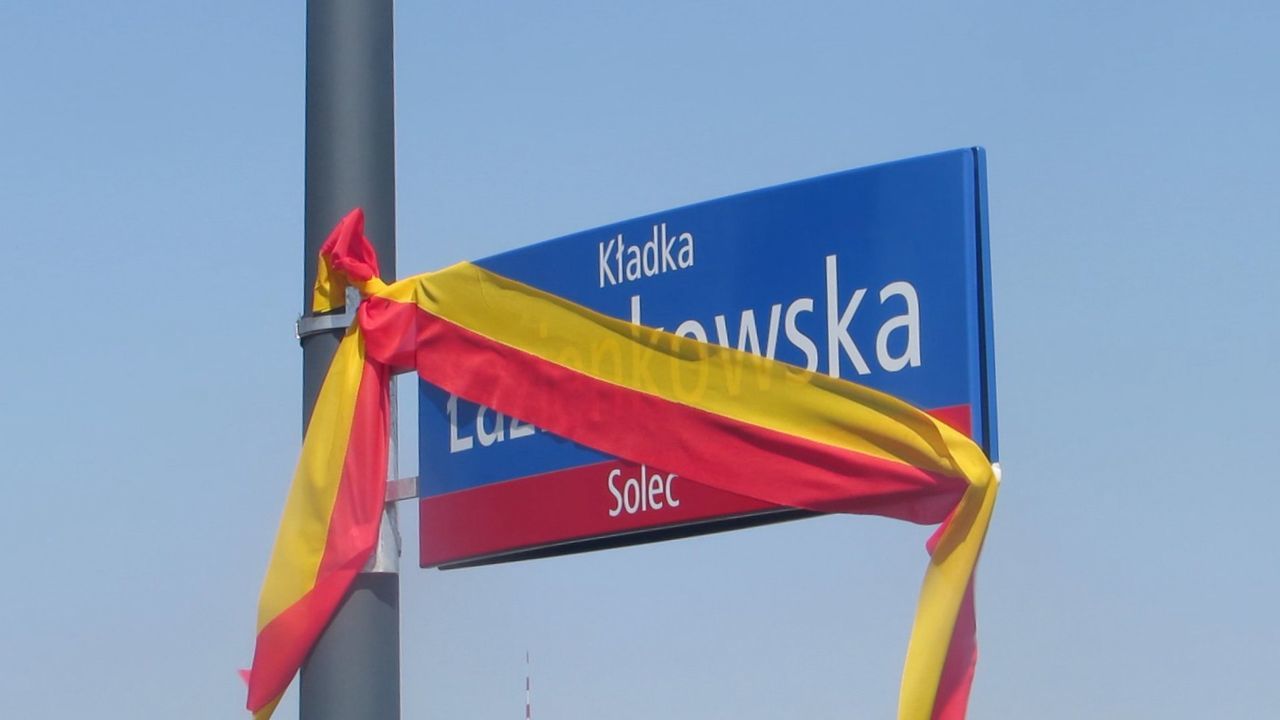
x=354 y=669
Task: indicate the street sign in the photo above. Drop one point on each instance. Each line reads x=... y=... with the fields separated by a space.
x=878 y=275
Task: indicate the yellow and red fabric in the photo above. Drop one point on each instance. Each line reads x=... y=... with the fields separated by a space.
x=699 y=410
x=334 y=507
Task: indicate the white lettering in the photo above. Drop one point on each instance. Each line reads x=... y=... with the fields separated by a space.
x=655 y=492
x=685 y=258
x=748 y=338
x=838 y=336
x=618 y=262
x=631 y=496
x=606 y=272
x=504 y=428
x=520 y=429
x=910 y=320
x=617 y=496
x=633 y=263
x=668 y=244
x=799 y=339
x=456 y=444
x=897 y=341
x=650 y=252
x=487 y=437
x=635 y=312
x=692 y=329
x=748 y=334
x=642 y=493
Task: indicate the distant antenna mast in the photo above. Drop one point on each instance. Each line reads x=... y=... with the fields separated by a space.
x=528 y=699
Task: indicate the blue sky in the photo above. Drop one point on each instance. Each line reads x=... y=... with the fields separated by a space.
x=151 y=185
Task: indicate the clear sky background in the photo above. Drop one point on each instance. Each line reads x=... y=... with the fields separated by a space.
x=151 y=167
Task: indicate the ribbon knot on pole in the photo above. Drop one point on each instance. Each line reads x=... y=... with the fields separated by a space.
x=347 y=258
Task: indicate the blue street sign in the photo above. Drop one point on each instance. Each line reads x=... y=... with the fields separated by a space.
x=878 y=275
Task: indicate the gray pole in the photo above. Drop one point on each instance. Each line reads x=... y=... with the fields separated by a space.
x=354 y=670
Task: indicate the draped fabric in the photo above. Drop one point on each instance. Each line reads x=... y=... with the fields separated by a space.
x=698 y=410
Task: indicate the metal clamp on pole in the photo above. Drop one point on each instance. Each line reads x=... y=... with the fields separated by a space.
x=316 y=324
x=405 y=488
x=386 y=557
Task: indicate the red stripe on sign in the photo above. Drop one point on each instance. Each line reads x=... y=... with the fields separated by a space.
x=592 y=501
x=578 y=504
x=957 y=416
